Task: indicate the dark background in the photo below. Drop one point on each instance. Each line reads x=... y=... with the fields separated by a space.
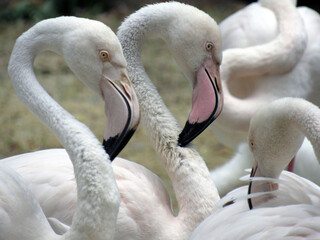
x=11 y=10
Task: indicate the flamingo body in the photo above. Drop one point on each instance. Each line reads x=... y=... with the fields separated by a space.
x=97 y=195
x=145 y=210
x=283 y=205
x=257 y=27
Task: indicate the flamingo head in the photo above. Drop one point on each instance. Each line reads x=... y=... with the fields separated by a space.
x=196 y=46
x=96 y=57
x=274 y=140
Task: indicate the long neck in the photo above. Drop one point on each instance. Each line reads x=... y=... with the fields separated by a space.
x=306 y=117
x=285 y=50
x=98 y=196
x=276 y=57
x=184 y=166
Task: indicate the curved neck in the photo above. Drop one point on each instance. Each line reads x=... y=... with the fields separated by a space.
x=285 y=50
x=94 y=194
x=132 y=34
x=184 y=166
x=306 y=117
x=276 y=57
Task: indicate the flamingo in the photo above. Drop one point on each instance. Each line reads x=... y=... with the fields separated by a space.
x=279 y=58
x=145 y=211
x=299 y=119
x=281 y=208
x=98 y=61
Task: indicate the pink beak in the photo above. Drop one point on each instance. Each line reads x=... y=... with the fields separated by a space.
x=122 y=110
x=207 y=101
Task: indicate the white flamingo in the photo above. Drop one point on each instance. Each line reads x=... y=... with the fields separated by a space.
x=278 y=58
x=98 y=61
x=281 y=209
x=252 y=25
x=145 y=211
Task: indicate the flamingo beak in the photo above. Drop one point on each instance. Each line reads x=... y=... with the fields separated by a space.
x=260 y=186
x=207 y=101
x=122 y=111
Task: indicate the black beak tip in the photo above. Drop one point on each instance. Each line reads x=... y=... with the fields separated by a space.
x=185 y=136
x=114 y=145
x=249 y=199
x=181 y=143
x=108 y=146
x=191 y=131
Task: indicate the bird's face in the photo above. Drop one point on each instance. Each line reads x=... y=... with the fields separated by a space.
x=274 y=142
x=100 y=65
x=196 y=46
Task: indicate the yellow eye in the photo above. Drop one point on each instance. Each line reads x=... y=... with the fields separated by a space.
x=209 y=46
x=104 y=55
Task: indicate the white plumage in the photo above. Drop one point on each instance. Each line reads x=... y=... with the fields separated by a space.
x=98 y=198
x=145 y=211
x=284 y=208
x=264 y=73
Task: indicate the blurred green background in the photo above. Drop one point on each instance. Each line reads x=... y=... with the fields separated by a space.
x=21 y=132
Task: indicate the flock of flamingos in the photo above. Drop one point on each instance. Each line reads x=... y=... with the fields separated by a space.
x=256 y=82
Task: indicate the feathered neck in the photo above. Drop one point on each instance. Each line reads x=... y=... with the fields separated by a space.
x=277 y=131
x=98 y=196
x=257 y=61
x=195 y=192
x=305 y=117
